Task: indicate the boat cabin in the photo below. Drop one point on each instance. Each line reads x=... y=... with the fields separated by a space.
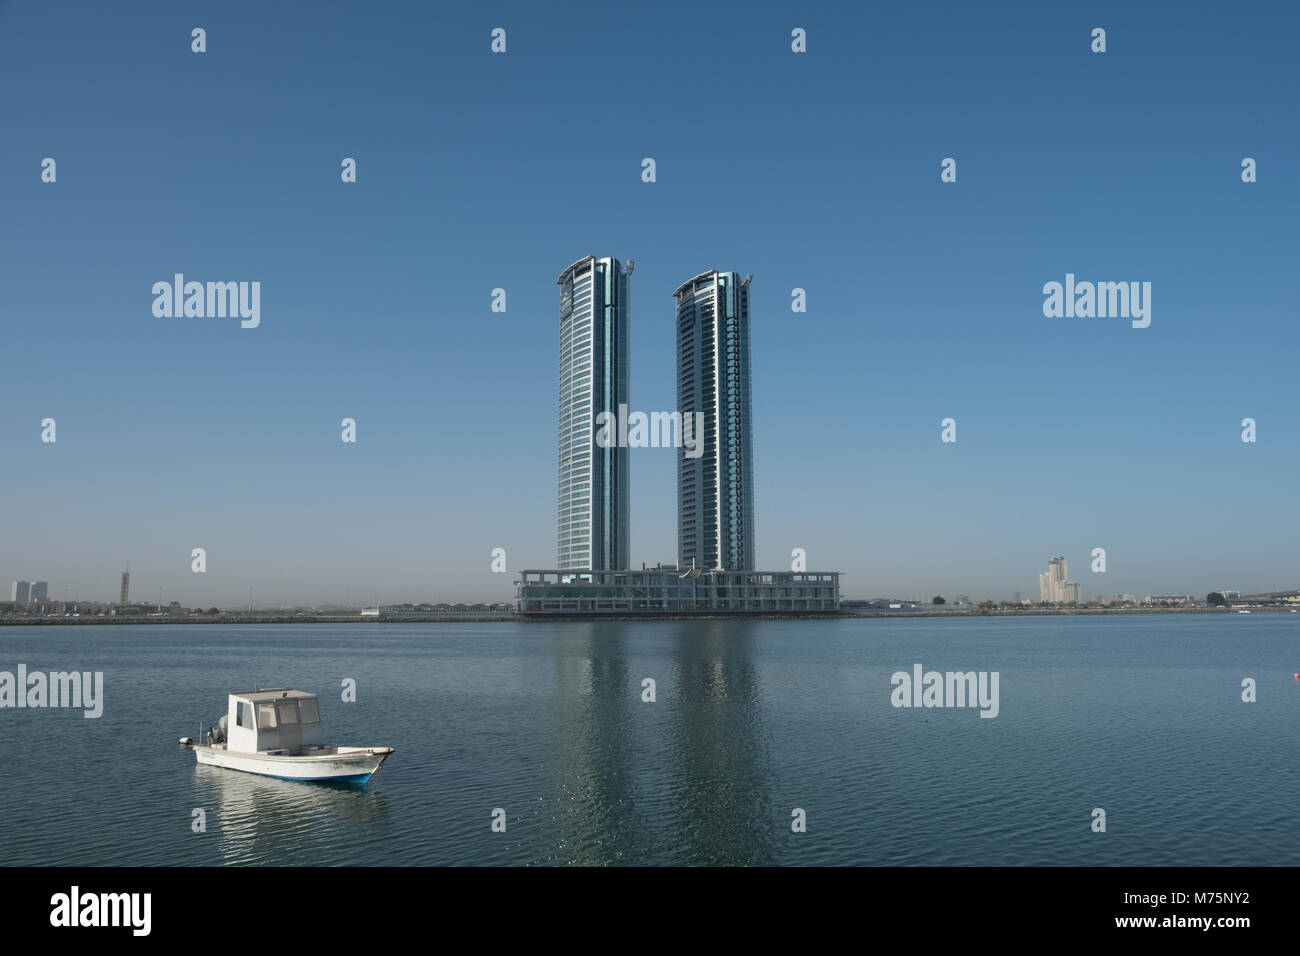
x=279 y=721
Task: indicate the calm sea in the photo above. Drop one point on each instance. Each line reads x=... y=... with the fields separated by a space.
x=1141 y=716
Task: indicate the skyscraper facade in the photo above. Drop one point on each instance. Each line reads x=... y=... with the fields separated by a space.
x=593 y=480
x=20 y=592
x=715 y=491
x=1054 y=587
x=126 y=586
x=40 y=591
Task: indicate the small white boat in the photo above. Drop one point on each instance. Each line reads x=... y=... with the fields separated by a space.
x=277 y=733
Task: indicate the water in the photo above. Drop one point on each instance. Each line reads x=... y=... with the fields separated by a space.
x=1140 y=715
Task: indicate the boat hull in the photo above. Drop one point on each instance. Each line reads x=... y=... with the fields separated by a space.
x=342 y=765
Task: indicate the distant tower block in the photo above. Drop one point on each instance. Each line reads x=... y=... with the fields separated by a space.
x=126 y=585
x=1055 y=587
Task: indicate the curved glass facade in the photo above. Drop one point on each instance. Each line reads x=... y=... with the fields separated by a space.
x=715 y=492
x=593 y=481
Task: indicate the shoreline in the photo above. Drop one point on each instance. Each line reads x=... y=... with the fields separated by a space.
x=228 y=619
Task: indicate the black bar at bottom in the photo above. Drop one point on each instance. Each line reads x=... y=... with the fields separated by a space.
x=345 y=906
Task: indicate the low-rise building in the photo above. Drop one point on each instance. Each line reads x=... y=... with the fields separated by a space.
x=673 y=590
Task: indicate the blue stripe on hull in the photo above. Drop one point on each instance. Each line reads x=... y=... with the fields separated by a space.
x=356 y=778
x=351 y=778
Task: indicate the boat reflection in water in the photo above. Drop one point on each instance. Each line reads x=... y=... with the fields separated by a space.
x=264 y=820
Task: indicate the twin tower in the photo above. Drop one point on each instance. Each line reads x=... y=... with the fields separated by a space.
x=715 y=483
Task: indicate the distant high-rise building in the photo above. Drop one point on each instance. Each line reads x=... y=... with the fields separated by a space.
x=593 y=531
x=40 y=591
x=1055 y=587
x=715 y=491
x=126 y=586
x=20 y=593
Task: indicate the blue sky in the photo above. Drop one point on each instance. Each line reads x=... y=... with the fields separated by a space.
x=479 y=170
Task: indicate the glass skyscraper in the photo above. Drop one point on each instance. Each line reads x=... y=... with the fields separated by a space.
x=593 y=487
x=715 y=491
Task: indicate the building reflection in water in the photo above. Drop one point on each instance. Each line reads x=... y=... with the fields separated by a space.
x=720 y=766
x=682 y=779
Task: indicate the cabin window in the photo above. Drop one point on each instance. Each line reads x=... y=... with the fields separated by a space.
x=265 y=716
x=288 y=712
x=243 y=714
x=309 y=710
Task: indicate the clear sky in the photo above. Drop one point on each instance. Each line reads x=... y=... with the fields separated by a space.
x=477 y=170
